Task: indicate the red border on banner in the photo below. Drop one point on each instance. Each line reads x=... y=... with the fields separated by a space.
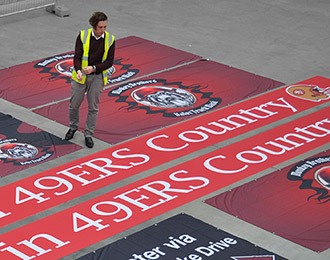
x=71 y=180
x=92 y=221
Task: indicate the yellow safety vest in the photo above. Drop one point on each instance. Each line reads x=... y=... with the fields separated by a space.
x=85 y=39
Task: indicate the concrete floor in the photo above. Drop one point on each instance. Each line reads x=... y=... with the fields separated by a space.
x=286 y=40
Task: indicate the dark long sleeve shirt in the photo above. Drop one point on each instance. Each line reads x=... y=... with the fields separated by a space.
x=95 y=56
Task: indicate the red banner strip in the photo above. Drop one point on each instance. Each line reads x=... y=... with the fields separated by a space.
x=66 y=182
x=92 y=221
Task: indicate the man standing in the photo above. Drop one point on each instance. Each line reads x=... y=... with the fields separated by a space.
x=94 y=55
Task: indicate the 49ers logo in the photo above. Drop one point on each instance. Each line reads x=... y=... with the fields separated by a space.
x=314 y=174
x=309 y=92
x=61 y=67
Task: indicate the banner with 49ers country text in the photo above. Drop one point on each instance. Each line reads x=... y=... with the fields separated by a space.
x=297 y=197
x=138 y=107
x=23 y=145
x=74 y=179
x=181 y=237
x=48 y=80
x=135 y=203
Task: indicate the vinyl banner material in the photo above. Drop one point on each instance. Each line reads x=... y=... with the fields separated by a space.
x=147 y=104
x=297 y=197
x=23 y=145
x=181 y=237
x=48 y=80
x=95 y=171
x=128 y=206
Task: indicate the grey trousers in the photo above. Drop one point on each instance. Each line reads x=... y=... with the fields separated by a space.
x=93 y=87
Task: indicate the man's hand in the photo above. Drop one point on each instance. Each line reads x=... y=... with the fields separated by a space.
x=88 y=70
x=79 y=75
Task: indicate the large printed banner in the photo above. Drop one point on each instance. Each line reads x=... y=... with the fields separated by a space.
x=23 y=145
x=118 y=210
x=297 y=197
x=47 y=80
x=181 y=237
x=63 y=183
x=147 y=104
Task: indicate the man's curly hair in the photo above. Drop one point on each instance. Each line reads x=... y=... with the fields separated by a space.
x=96 y=17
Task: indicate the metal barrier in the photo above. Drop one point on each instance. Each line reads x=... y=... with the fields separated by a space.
x=9 y=7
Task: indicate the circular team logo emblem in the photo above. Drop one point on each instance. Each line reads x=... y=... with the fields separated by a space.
x=172 y=99
x=17 y=151
x=65 y=67
x=163 y=97
x=56 y=67
x=322 y=176
x=61 y=67
x=309 y=92
x=314 y=175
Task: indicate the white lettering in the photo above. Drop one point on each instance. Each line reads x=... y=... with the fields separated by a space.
x=15 y=252
x=2 y=214
x=208 y=165
x=135 y=201
x=119 y=207
x=224 y=125
x=41 y=251
x=59 y=181
x=28 y=196
x=76 y=176
x=204 y=180
x=78 y=217
x=145 y=158
x=254 y=157
x=216 y=247
x=151 y=144
x=284 y=105
x=240 y=157
x=31 y=245
x=183 y=136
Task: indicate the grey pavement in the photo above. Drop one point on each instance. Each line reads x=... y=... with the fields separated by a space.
x=285 y=40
